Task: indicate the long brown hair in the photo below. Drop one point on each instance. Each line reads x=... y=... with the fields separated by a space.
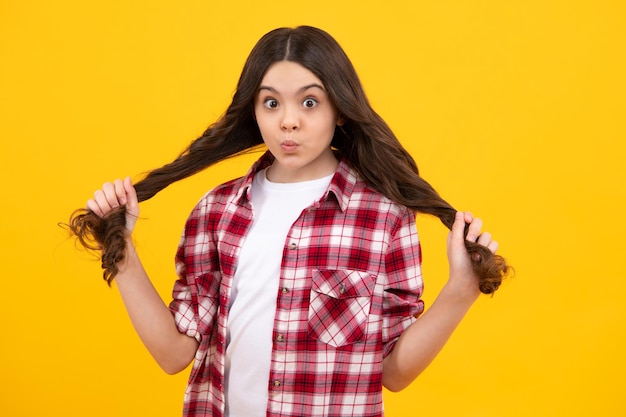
x=364 y=139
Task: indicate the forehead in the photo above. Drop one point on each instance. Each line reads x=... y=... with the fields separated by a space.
x=288 y=75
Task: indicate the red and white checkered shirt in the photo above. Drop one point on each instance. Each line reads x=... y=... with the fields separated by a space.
x=350 y=283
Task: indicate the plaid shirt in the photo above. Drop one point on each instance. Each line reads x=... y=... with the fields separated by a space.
x=350 y=283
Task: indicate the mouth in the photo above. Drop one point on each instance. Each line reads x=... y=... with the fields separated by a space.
x=288 y=145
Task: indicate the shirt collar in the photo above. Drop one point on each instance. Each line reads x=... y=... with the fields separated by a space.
x=341 y=186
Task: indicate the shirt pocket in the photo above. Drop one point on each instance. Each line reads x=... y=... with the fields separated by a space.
x=340 y=305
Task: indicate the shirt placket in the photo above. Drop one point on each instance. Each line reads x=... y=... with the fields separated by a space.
x=245 y=215
x=289 y=302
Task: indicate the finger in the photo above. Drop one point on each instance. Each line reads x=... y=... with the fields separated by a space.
x=93 y=206
x=493 y=246
x=101 y=200
x=111 y=196
x=474 y=229
x=120 y=191
x=484 y=239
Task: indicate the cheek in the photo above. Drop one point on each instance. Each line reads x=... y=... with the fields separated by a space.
x=328 y=122
x=261 y=120
x=265 y=127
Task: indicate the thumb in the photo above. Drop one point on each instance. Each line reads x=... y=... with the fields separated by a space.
x=457 y=252
x=132 y=204
x=457 y=232
x=131 y=194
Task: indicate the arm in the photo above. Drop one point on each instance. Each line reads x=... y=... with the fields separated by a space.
x=420 y=343
x=149 y=315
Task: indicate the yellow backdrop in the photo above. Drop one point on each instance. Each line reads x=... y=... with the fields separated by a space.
x=513 y=109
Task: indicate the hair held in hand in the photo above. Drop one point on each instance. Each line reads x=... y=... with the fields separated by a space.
x=106 y=234
x=364 y=139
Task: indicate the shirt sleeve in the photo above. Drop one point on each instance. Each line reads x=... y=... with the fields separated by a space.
x=195 y=294
x=402 y=302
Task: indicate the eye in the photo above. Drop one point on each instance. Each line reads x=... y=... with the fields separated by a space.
x=309 y=103
x=270 y=103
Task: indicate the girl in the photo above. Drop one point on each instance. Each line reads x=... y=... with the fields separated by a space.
x=298 y=284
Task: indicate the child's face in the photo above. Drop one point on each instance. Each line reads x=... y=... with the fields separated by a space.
x=297 y=121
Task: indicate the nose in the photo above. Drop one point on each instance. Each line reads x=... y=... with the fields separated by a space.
x=290 y=120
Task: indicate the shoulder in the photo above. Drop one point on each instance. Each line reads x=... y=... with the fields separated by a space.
x=355 y=196
x=226 y=189
x=235 y=190
x=372 y=210
x=364 y=197
x=354 y=193
x=215 y=200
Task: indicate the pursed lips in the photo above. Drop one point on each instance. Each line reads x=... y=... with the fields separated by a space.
x=288 y=145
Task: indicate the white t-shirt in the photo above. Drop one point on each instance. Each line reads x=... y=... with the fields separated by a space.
x=255 y=287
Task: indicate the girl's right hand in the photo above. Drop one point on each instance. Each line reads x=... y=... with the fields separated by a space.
x=115 y=194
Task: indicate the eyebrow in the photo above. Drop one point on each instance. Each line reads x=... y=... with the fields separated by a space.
x=300 y=90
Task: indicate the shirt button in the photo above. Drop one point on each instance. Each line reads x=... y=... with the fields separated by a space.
x=284 y=290
x=279 y=338
x=276 y=383
x=292 y=246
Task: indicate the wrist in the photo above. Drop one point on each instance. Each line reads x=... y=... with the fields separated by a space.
x=464 y=294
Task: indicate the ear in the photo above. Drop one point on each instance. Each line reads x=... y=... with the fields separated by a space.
x=340 y=120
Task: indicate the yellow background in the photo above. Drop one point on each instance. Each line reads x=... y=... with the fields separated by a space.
x=513 y=109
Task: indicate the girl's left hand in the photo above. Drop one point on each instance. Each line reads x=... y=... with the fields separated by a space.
x=462 y=276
